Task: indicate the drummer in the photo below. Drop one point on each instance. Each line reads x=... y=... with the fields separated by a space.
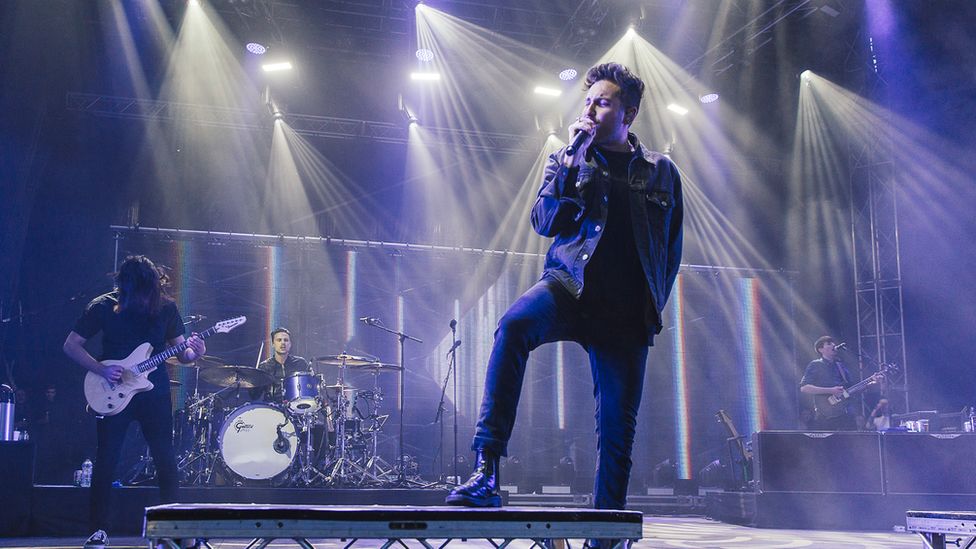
x=280 y=364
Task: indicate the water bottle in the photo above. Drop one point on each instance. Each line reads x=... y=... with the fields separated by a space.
x=86 y=473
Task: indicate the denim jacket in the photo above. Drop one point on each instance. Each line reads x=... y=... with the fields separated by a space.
x=572 y=209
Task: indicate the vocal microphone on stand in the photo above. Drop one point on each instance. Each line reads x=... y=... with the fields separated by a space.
x=190 y=319
x=842 y=345
x=368 y=319
x=453 y=347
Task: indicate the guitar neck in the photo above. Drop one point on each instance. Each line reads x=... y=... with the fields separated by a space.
x=156 y=360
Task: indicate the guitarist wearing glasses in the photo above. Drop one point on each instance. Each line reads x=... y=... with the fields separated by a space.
x=138 y=311
x=828 y=377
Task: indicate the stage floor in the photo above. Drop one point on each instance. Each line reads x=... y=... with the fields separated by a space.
x=659 y=532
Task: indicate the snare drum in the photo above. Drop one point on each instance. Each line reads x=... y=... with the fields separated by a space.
x=250 y=443
x=300 y=392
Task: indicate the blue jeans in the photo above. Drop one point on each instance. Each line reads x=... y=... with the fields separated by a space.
x=547 y=313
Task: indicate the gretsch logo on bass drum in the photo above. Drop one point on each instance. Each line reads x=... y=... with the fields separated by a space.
x=241 y=425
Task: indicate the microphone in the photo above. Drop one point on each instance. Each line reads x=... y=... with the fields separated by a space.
x=368 y=319
x=453 y=347
x=190 y=319
x=453 y=324
x=578 y=141
x=281 y=444
x=841 y=346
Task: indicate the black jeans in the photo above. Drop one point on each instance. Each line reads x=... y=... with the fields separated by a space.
x=548 y=313
x=153 y=411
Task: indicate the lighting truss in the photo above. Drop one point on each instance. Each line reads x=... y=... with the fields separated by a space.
x=877 y=259
x=303 y=124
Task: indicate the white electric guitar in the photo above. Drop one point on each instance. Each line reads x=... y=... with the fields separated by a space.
x=107 y=399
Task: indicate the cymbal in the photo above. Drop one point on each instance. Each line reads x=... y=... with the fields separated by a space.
x=377 y=367
x=246 y=377
x=205 y=361
x=343 y=360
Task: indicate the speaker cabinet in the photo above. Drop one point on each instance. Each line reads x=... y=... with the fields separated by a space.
x=17 y=466
x=929 y=463
x=818 y=462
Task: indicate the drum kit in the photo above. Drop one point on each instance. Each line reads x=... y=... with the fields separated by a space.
x=311 y=433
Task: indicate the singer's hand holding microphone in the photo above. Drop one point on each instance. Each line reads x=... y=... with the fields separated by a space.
x=581 y=135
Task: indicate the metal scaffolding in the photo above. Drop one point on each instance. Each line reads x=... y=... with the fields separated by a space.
x=877 y=259
x=303 y=124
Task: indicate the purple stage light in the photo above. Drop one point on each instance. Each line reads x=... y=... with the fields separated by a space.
x=567 y=74
x=425 y=55
x=255 y=48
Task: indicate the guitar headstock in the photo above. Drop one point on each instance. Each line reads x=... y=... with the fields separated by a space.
x=225 y=326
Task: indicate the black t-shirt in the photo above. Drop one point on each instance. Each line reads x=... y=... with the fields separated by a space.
x=823 y=373
x=123 y=332
x=616 y=287
x=293 y=364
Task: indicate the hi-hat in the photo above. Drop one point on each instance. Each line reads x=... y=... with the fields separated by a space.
x=246 y=377
x=344 y=360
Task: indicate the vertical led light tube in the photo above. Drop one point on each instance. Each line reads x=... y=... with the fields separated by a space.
x=750 y=311
x=682 y=420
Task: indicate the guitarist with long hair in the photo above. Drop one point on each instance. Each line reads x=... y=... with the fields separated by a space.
x=825 y=377
x=136 y=312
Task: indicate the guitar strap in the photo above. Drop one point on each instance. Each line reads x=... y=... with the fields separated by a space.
x=840 y=370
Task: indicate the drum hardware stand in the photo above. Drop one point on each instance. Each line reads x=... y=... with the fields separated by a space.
x=439 y=418
x=377 y=466
x=142 y=472
x=200 y=452
x=338 y=474
x=401 y=337
x=306 y=472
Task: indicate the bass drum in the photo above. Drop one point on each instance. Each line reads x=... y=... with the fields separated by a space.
x=257 y=441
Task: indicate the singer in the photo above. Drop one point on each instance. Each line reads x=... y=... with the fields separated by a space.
x=824 y=377
x=614 y=210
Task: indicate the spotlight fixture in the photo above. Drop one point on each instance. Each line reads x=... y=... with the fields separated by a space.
x=551 y=92
x=277 y=67
x=567 y=74
x=426 y=76
x=677 y=109
x=805 y=75
x=631 y=33
x=408 y=116
x=255 y=48
x=708 y=97
x=425 y=55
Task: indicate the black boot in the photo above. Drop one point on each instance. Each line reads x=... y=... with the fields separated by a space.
x=481 y=490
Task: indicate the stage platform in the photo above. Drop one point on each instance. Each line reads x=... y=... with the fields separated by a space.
x=941 y=528
x=658 y=533
x=165 y=524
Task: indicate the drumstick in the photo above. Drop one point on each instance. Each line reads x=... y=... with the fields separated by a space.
x=260 y=352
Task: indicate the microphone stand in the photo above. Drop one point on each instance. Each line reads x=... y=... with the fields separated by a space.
x=401 y=337
x=451 y=367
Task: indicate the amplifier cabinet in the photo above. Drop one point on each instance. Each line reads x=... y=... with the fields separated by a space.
x=818 y=462
x=929 y=463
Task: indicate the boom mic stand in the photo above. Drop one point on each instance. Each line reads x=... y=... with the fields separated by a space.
x=451 y=367
x=401 y=337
